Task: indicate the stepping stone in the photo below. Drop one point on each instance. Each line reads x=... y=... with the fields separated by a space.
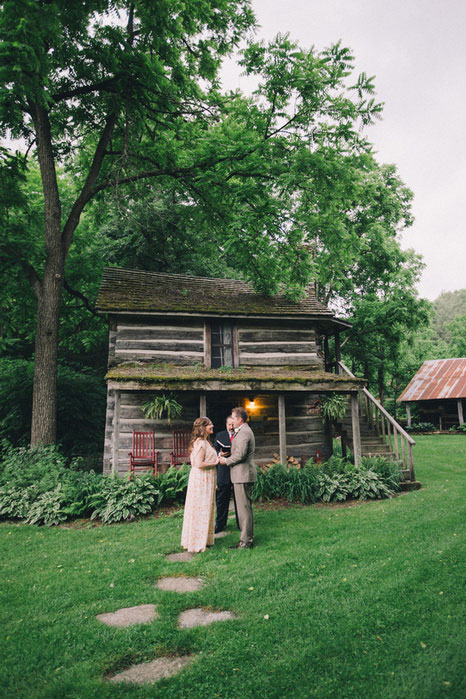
x=183 y=556
x=150 y=673
x=220 y=535
x=201 y=617
x=180 y=584
x=129 y=616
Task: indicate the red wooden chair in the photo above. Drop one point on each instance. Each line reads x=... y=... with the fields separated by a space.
x=180 y=453
x=143 y=456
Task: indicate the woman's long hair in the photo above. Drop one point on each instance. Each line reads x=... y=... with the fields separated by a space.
x=199 y=430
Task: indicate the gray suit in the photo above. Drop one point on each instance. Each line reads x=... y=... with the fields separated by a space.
x=243 y=474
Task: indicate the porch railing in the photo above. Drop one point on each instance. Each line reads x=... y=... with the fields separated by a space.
x=385 y=426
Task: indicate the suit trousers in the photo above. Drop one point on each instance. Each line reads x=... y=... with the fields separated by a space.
x=244 y=509
x=222 y=499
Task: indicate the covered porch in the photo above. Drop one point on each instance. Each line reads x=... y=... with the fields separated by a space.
x=280 y=404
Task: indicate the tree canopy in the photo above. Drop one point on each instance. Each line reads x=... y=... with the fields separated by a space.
x=121 y=108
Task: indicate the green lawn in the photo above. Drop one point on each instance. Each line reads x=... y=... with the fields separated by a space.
x=366 y=600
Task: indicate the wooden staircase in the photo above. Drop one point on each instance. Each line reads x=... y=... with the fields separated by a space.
x=379 y=435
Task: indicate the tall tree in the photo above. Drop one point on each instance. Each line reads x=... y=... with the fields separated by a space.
x=118 y=99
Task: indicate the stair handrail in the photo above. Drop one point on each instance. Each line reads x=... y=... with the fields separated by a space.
x=380 y=407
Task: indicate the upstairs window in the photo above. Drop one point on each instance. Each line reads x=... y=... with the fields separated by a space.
x=221 y=344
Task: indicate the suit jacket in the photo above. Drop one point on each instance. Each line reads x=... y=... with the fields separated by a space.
x=223 y=472
x=241 y=461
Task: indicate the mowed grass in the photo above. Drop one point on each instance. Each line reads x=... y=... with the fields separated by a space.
x=361 y=600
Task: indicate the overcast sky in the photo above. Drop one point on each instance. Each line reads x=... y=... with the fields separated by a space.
x=417 y=51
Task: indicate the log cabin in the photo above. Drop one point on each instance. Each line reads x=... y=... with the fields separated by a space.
x=216 y=344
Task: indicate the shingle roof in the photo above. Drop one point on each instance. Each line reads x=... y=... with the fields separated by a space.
x=437 y=379
x=124 y=290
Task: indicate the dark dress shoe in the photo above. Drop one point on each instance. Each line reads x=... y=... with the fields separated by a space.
x=240 y=545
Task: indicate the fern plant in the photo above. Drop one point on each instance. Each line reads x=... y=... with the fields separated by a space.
x=334 y=407
x=161 y=405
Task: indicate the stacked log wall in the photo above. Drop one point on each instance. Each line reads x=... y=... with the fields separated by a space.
x=279 y=344
x=173 y=341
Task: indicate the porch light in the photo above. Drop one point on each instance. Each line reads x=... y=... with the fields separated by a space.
x=251 y=405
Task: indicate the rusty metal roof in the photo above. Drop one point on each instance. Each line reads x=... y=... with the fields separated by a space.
x=437 y=379
x=135 y=291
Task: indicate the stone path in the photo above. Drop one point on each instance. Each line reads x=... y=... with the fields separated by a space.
x=128 y=616
x=180 y=584
x=201 y=617
x=153 y=671
x=183 y=556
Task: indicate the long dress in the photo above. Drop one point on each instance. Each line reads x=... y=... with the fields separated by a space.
x=199 y=509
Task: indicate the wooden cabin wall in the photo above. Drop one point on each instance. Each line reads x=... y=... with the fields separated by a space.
x=182 y=341
x=305 y=433
x=272 y=343
x=175 y=340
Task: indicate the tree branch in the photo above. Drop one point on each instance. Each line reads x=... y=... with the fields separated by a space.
x=77 y=294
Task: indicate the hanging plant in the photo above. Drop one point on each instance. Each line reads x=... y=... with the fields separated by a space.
x=164 y=405
x=334 y=407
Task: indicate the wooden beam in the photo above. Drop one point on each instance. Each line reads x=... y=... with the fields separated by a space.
x=337 y=353
x=282 y=427
x=202 y=405
x=408 y=413
x=356 y=428
x=460 y=411
x=116 y=433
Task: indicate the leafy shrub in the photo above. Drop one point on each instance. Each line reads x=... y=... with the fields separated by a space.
x=458 y=428
x=16 y=502
x=366 y=484
x=270 y=483
x=388 y=471
x=172 y=484
x=48 y=508
x=421 y=427
x=300 y=485
x=334 y=487
x=119 y=499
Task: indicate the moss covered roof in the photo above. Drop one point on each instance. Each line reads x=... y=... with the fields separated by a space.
x=124 y=290
x=186 y=377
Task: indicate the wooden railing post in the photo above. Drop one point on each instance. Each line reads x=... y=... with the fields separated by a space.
x=356 y=428
x=282 y=428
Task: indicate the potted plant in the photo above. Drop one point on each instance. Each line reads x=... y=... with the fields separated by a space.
x=163 y=405
x=334 y=407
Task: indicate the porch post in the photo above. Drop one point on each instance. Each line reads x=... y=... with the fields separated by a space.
x=337 y=353
x=460 y=411
x=282 y=428
x=408 y=413
x=355 y=426
x=116 y=432
x=202 y=405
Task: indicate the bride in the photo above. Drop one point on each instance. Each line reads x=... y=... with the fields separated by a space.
x=199 y=509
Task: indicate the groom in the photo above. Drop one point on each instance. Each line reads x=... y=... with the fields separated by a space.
x=243 y=474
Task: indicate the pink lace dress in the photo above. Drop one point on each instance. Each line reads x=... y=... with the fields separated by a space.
x=199 y=509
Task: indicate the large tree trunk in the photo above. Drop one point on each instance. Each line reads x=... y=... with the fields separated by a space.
x=44 y=401
x=48 y=291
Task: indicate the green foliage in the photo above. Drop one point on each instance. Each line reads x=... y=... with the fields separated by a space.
x=458 y=428
x=334 y=407
x=119 y=499
x=334 y=480
x=421 y=427
x=172 y=484
x=81 y=396
x=161 y=405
